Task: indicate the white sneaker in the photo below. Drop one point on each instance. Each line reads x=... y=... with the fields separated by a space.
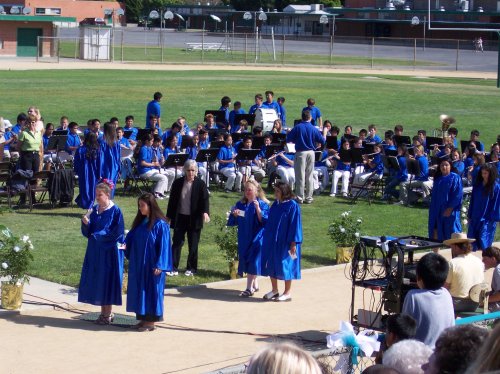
x=188 y=273
x=175 y=273
x=332 y=195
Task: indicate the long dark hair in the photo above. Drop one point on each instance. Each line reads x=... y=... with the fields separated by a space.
x=285 y=189
x=155 y=212
x=110 y=136
x=91 y=144
x=492 y=178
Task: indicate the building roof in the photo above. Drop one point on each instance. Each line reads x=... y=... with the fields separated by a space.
x=19 y=18
x=314 y=9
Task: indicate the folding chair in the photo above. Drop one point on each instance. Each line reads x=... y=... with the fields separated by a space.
x=372 y=186
x=39 y=184
x=5 y=187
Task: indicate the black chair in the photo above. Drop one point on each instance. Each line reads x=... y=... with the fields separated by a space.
x=39 y=184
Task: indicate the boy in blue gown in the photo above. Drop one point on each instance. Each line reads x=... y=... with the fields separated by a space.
x=484 y=208
x=250 y=232
x=281 y=252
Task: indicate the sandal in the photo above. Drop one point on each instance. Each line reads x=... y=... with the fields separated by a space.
x=271 y=295
x=146 y=328
x=246 y=293
x=105 y=320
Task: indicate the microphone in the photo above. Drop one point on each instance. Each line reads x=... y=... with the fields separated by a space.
x=384 y=243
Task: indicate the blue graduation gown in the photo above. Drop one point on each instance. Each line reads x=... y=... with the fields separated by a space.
x=284 y=225
x=484 y=213
x=250 y=236
x=146 y=251
x=88 y=171
x=102 y=270
x=110 y=162
x=446 y=193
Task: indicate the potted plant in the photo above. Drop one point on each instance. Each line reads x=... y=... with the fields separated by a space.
x=344 y=232
x=226 y=238
x=15 y=260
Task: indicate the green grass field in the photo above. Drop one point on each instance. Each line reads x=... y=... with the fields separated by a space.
x=355 y=100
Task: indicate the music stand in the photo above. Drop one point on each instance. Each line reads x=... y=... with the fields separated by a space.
x=332 y=142
x=208 y=156
x=58 y=143
x=247 y=154
x=175 y=160
x=141 y=133
x=413 y=168
x=257 y=142
x=345 y=155
x=317 y=156
x=348 y=137
x=187 y=141
x=391 y=162
x=216 y=144
x=368 y=148
x=278 y=138
x=213 y=133
x=127 y=133
x=400 y=139
x=391 y=152
x=431 y=141
x=250 y=118
x=272 y=149
x=356 y=156
x=237 y=136
x=60 y=133
x=464 y=144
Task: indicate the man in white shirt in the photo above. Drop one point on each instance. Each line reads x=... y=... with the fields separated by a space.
x=491 y=259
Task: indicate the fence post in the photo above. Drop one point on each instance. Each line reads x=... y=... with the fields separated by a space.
x=373 y=50
x=121 y=46
x=161 y=45
x=77 y=45
x=274 y=45
x=283 y=51
x=256 y=44
x=112 y=44
x=203 y=43
x=331 y=50
x=246 y=48
x=415 y=54
x=458 y=48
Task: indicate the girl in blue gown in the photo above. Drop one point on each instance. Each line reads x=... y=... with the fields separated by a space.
x=250 y=215
x=484 y=208
x=87 y=164
x=102 y=271
x=446 y=203
x=149 y=253
x=110 y=154
x=282 y=241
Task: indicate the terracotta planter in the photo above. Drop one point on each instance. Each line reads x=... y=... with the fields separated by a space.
x=233 y=269
x=12 y=296
x=344 y=255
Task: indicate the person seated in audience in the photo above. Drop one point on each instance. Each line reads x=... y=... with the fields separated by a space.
x=192 y=151
x=129 y=127
x=237 y=109
x=347 y=132
x=278 y=127
x=420 y=181
x=495 y=147
x=398 y=327
x=442 y=152
x=396 y=177
x=245 y=166
x=281 y=102
x=225 y=103
x=175 y=130
x=124 y=142
x=372 y=135
x=126 y=156
x=407 y=356
x=241 y=127
x=398 y=130
x=488 y=357
x=453 y=133
x=456 y=162
x=93 y=125
x=491 y=260
x=73 y=142
x=149 y=168
x=258 y=103
x=422 y=137
x=374 y=168
x=327 y=129
x=320 y=172
x=284 y=168
x=388 y=143
x=363 y=133
x=456 y=349
x=415 y=141
x=227 y=166
x=153 y=124
x=465 y=271
x=284 y=358
x=63 y=124
x=474 y=137
x=49 y=155
x=342 y=170
x=431 y=305
x=204 y=140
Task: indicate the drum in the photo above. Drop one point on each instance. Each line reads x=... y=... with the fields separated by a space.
x=265 y=118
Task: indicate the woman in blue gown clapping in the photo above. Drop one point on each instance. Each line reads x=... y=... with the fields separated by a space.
x=102 y=271
x=149 y=253
x=250 y=215
x=484 y=208
x=282 y=241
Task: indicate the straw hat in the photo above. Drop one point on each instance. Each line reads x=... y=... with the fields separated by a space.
x=458 y=238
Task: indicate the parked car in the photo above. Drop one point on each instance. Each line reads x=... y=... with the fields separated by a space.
x=93 y=22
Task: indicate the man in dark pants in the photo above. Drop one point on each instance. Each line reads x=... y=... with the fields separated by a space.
x=188 y=209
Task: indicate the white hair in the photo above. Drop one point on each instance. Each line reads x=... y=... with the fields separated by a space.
x=189 y=163
x=407 y=356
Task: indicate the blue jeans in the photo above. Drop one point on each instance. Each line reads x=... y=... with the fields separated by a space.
x=390 y=187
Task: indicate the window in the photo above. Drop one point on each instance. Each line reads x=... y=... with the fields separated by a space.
x=48 y=11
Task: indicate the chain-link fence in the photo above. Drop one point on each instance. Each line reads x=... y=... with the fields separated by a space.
x=197 y=47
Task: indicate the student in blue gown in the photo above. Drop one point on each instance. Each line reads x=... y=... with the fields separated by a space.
x=250 y=215
x=484 y=208
x=87 y=164
x=446 y=203
x=281 y=252
x=102 y=270
x=149 y=253
x=110 y=154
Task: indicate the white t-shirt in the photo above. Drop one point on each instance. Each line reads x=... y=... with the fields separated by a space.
x=465 y=272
